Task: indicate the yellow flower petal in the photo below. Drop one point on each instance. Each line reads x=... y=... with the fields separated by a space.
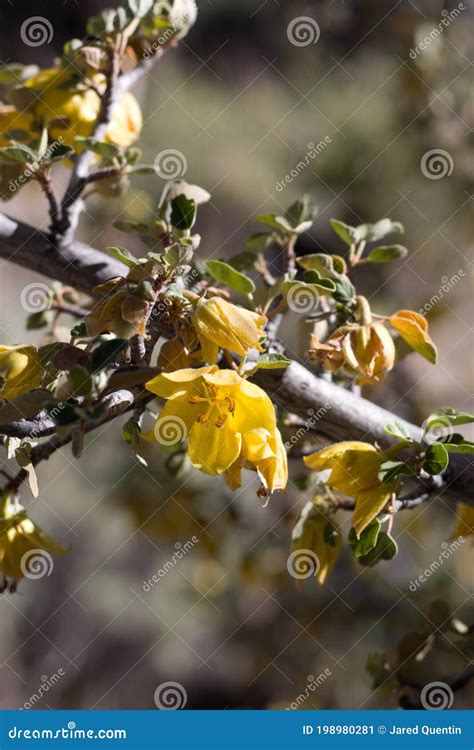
x=465 y=521
x=369 y=503
x=174 y=384
x=322 y=458
x=212 y=449
x=229 y=326
x=413 y=328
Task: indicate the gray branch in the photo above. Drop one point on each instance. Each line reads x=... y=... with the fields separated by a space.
x=331 y=410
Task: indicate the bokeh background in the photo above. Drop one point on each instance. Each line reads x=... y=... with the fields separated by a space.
x=226 y=622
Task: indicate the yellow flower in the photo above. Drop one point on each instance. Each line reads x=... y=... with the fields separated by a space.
x=214 y=409
x=14 y=125
x=173 y=356
x=364 y=350
x=465 y=521
x=221 y=324
x=69 y=112
x=25 y=549
x=18 y=126
x=262 y=450
x=354 y=470
x=20 y=370
x=315 y=545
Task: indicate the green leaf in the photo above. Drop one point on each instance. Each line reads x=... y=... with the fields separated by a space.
x=147 y=230
x=103 y=149
x=313 y=277
x=178 y=255
x=227 y=275
x=277 y=222
x=272 y=361
x=327 y=265
x=301 y=211
x=386 y=253
x=397 y=430
x=378 y=668
x=436 y=459
x=448 y=416
x=183 y=212
x=79 y=330
x=245 y=259
x=106 y=354
x=390 y=470
x=345 y=290
x=37 y=320
x=19 y=152
x=124 y=255
x=258 y=241
x=191 y=192
x=458 y=444
x=80 y=381
x=380 y=229
x=131 y=434
x=367 y=540
x=385 y=549
x=60 y=151
x=346 y=233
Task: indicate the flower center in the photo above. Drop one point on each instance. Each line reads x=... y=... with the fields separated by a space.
x=218 y=407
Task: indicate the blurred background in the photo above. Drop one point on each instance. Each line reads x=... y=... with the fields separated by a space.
x=244 y=103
